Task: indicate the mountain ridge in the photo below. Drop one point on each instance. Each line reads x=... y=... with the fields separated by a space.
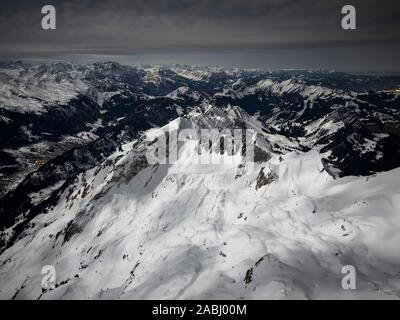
x=79 y=193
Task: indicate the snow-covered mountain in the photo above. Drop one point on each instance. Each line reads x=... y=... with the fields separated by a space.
x=79 y=193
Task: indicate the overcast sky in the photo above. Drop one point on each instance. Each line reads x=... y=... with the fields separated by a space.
x=273 y=34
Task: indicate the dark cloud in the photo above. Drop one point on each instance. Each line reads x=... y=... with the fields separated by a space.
x=134 y=27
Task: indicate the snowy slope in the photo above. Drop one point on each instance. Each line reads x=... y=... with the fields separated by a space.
x=33 y=89
x=129 y=230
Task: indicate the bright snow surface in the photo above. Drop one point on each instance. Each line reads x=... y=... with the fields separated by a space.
x=125 y=230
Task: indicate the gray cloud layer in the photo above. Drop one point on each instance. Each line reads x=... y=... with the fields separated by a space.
x=128 y=27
